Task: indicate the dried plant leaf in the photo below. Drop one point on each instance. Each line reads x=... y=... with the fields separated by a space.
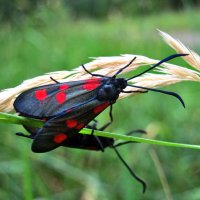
x=192 y=59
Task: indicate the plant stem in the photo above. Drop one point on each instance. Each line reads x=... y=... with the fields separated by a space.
x=16 y=119
x=139 y=139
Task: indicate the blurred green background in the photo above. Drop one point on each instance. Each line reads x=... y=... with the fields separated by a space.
x=37 y=37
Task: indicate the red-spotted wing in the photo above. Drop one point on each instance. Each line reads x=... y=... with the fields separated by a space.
x=51 y=100
x=58 y=130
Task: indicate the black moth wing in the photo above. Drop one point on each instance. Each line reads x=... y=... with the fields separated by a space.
x=80 y=141
x=50 y=100
x=63 y=129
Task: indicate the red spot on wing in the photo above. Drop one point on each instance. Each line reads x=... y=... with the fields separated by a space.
x=40 y=95
x=61 y=97
x=101 y=107
x=59 y=138
x=64 y=87
x=71 y=123
x=80 y=126
x=91 y=84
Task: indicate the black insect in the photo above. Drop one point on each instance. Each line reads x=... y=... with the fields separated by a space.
x=68 y=107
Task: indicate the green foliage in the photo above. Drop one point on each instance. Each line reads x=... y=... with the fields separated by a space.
x=14 y=10
x=51 y=41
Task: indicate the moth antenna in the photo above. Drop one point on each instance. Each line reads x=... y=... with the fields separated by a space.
x=92 y=73
x=159 y=63
x=119 y=71
x=130 y=170
x=54 y=80
x=160 y=91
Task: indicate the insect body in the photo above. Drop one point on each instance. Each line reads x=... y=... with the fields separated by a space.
x=66 y=110
x=69 y=107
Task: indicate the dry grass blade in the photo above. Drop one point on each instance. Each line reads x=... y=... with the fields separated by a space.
x=168 y=73
x=8 y=96
x=192 y=59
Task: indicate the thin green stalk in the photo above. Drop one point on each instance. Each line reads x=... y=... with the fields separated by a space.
x=138 y=139
x=15 y=119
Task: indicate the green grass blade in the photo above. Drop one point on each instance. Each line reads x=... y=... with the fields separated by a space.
x=15 y=119
x=139 y=139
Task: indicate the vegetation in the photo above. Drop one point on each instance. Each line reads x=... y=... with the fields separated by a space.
x=47 y=40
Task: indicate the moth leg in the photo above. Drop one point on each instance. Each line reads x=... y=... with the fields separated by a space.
x=130 y=133
x=136 y=131
x=31 y=136
x=95 y=124
x=114 y=147
x=94 y=127
x=110 y=122
x=144 y=185
x=96 y=137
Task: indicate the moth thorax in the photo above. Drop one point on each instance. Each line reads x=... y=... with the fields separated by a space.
x=109 y=92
